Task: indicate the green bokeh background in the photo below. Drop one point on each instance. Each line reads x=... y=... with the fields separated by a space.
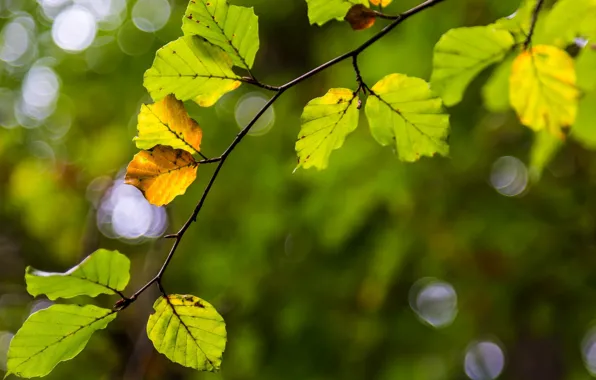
x=312 y=270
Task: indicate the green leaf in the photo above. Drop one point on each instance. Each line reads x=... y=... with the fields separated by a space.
x=463 y=53
x=569 y=19
x=102 y=272
x=326 y=122
x=191 y=68
x=405 y=113
x=585 y=67
x=544 y=149
x=321 y=11
x=584 y=128
x=495 y=91
x=53 y=335
x=234 y=29
x=166 y=122
x=189 y=331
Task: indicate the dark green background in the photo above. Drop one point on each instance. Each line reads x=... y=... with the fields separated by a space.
x=312 y=271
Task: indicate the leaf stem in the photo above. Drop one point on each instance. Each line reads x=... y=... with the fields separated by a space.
x=528 y=40
x=125 y=302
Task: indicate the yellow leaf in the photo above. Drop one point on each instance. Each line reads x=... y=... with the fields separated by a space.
x=542 y=89
x=383 y=3
x=166 y=122
x=161 y=173
x=360 y=17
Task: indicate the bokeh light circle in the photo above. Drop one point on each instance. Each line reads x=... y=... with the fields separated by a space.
x=124 y=213
x=484 y=360
x=434 y=302
x=151 y=15
x=246 y=109
x=74 y=29
x=509 y=176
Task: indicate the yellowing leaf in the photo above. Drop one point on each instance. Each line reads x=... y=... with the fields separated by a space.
x=382 y=3
x=405 y=113
x=360 y=17
x=321 y=11
x=161 y=173
x=234 y=29
x=191 y=68
x=189 y=331
x=326 y=122
x=542 y=89
x=166 y=122
x=461 y=54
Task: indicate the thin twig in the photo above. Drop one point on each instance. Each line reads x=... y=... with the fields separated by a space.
x=385 y=16
x=125 y=302
x=528 y=40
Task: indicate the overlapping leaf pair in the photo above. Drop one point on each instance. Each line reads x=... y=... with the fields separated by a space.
x=539 y=79
x=402 y=112
x=185 y=328
x=197 y=67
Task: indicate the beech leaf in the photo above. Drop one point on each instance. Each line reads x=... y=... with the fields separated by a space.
x=53 y=335
x=161 y=173
x=360 y=17
x=166 y=122
x=405 y=113
x=234 y=29
x=189 y=331
x=326 y=122
x=542 y=89
x=102 y=272
x=191 y=69
x=461 y=54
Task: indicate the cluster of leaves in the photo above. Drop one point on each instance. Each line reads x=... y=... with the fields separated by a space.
x=185 y=328
x=197 y=67
x=548 y=89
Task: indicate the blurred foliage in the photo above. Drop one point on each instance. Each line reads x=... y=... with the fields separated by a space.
x=312 y=271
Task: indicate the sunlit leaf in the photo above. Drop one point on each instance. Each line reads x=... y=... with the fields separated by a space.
x=544 y=148
x=404 y=113
x=235 y=29
x=495 y=92
x=463 y=53
x=321 y=11
x=569 y=19
x=191 y=68
x=102 y=272
x=53 y=335
x=161 y=173
x=584 y=128
x=166 y=122
x=360 y=17
x=326 y=122
x=382 y=3
x=542 y=89
x=189 y=331
x=585 y=66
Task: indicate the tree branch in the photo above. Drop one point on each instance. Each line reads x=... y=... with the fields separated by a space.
x=125 y=302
